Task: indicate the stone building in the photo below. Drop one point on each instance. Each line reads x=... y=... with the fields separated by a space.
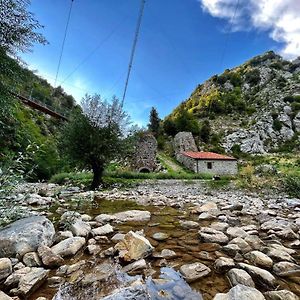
x=144 y=159
x=208 y=162
x=187 y=153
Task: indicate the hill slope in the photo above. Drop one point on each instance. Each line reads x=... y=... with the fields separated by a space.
x=254 y=108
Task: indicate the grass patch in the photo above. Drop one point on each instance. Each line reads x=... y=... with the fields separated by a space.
x=292 y=185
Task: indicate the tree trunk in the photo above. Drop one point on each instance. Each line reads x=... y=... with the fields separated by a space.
x=97 y=178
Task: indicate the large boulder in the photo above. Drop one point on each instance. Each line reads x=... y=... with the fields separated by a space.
x=133 y=247
x=25 y=235
x=3 y=296
x=210 y=235
x=281 y=295
x=139 y=216
x=68 y=247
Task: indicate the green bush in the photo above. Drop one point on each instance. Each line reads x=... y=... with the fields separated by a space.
x=292 y=185
x=277 y=125
x=253 y=77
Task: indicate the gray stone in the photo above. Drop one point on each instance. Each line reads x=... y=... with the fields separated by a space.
x=278 y=255
x=69 y=246
x=194 y=271
x=31 y=259
x=62 y=235
x=93 y=249
x=262 y=276
x=3 y=296
x=132 y=216
x=80 y=228
x=13 y=279
x=238 y=276
x=286 y=269
x=103 y=230
x=25 y=235
x=135 y=266
x=223 y=264
x=241 y=292
x=133 y=247
x=32 y=281
x=281 y=295
x=189 y=224
x=206 y=207
x=118 y=237
x=5 y=268
x=49 y=258
x=160 y=236
x=210 y=235
x=259 y=259
x=234 y=232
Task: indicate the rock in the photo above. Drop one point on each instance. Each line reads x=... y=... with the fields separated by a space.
x=69 y=246
x=35 y=199
x=134 y=247
x=241 y=292
x=62 y=235
x=234 y=232
x=69 y=269
x=231 y=249
x=135 y=266
x=137 y=216
x=221 y=226
x=80 y=228
x=103 y=230
x=117 y=237
x=233 y=207
x=86 y=218
x=286 y=269
x=210 y=235
x=5 y=268
x=18 y=266
x=135 y=292
x=206 y=216
x=188 y=224
x=160 y=236
x=3 y=296
x=31 y=259
x=13 y=279
x=278 y=255
x=166 y=253
x=223 y=264
x=31 y=281
x=238 y=276
x=25 y=235
x=93 y=249
x=69 y=217
x=259 y=259
x=281 y=295
x=194 y=271
x=262 y=276
x=242 y=244
x=49 y=258
x=206 y=207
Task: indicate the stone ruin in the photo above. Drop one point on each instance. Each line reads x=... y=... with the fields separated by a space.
x=144 y=159
x=184 y=141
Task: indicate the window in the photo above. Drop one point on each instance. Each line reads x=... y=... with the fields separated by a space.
x=209 y=165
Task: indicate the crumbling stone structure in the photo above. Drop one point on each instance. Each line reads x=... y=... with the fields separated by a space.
x=144 y=159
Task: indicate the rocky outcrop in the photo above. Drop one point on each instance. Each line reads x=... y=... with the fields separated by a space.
x=25 y=235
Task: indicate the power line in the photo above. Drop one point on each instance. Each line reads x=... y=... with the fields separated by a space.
x=133 y=49
x=63 y=43
x=227 y=36
x=94 y=50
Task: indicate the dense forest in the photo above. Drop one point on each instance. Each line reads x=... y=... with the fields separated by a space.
x=26 y=132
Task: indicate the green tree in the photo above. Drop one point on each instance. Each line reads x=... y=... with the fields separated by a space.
x=205 y=131
x=169 y=127
x=185 y=121
x=96 y=135
x=18 y=26
x=154 y=122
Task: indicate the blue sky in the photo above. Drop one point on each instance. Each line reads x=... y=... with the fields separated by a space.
x=181 y=44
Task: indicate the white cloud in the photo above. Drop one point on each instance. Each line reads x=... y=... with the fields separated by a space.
x=281 y=18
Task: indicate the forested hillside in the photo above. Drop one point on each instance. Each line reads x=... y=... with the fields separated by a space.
x=23 y=127
x=253 y=108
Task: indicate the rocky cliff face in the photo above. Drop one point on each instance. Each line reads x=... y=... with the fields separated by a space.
x=254 y=107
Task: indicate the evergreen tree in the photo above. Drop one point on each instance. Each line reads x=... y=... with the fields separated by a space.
x=154 y=122
x=205 y=131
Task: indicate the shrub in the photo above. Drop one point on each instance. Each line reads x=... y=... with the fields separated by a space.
x=292 y=185
x=277 y=125
x=253 y=77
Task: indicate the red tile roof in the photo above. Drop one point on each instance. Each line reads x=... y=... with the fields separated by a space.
x=207 y=155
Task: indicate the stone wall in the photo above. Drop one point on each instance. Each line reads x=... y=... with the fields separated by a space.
x=144 y=159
